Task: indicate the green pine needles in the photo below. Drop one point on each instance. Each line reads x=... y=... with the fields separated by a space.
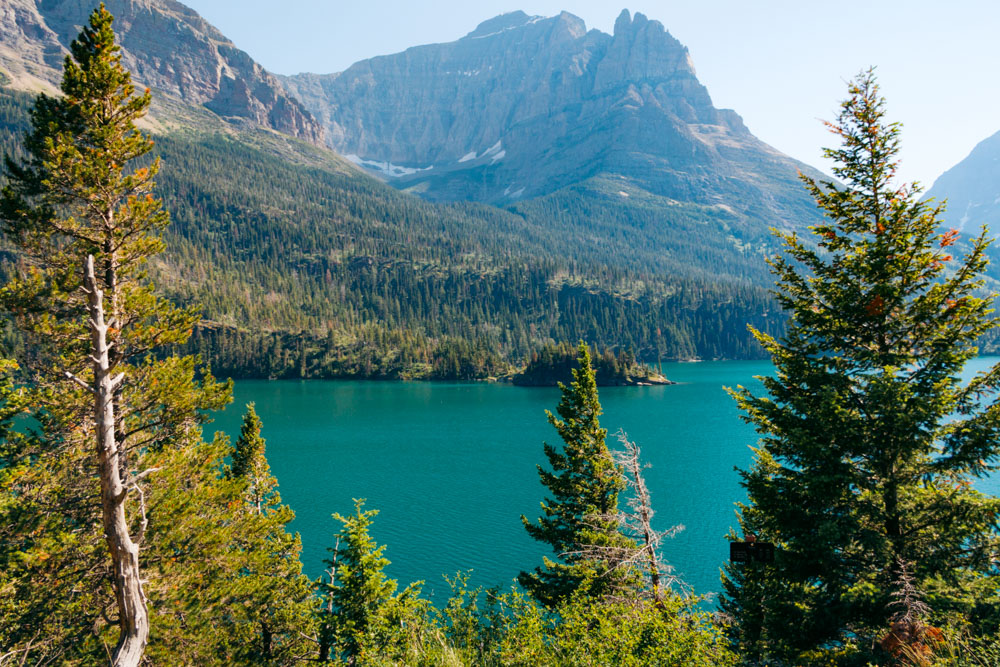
x=138 y=548
x=249 y=463
x=363 y=614
x=579 y=521
x=870 y=437
x=274 y=601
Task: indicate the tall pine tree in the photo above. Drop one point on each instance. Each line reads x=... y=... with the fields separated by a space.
x=870 y=436
x=81 y=212
x=249 y=463
x=272 y=598
x=584 y=482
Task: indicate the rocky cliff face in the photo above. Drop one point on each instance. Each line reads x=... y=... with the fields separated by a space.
x=166 y=46
x=525 y=105
x=972 y=188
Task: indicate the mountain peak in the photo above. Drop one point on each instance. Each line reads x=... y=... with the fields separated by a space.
x=627 y=23
x=972 y=188
x=523 y=106
x=623 y=22
x=505 y=21
x=166 y=46
x=643 y=50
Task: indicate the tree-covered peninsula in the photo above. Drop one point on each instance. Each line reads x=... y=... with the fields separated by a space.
x=555 y=363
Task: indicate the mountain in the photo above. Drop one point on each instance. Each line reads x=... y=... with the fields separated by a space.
x=167 y=46
x=524 y=106
x=972 y=188
x=306 y=266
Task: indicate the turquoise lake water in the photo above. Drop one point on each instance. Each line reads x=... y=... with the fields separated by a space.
x=451 y=467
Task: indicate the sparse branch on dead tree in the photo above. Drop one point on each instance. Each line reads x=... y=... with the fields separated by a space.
x=641 y=552
x=133 y=615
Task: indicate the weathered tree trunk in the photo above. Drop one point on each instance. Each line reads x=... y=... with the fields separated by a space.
x=266 y=641
x=644 y=515
x=326 y=633
x=133 y=617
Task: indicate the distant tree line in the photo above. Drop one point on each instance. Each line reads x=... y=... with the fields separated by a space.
x=554 y=364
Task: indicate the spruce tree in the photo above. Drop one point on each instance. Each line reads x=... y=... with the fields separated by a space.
x=870 y=436
x=249 y=463
x=271 y=598
x=584 y=482
x=361 y=613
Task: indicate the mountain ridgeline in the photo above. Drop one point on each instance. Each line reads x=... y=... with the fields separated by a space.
x=166 y=46
x=972 y=188
x=646 y=228
x=524 y=106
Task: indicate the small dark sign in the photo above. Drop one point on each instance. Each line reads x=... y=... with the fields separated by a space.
x=751 y=552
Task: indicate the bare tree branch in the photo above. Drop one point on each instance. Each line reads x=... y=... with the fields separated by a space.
x=79 y=381
x=636 y=524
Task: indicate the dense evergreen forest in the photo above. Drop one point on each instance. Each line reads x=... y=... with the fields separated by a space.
x=306 y=268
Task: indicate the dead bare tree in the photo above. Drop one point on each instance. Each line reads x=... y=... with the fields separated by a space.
x=911 y=640
x=642 y=554
x=133 y=615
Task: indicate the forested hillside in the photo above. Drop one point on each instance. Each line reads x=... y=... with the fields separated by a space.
x=306 y=267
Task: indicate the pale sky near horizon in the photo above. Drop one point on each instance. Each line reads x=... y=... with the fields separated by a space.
x=781 y=64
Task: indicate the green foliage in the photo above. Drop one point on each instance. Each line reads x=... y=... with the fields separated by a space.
x=579 y=519
x=225 y=582
x=271 y=600
x=512 y=629
x=870 y=437
x=363 y=615
x=487 y=628
x=554 y=363
x=78 y=192
x=618 y=633
x=653 y=234
x=472 y=623
x=211 y=568
x=249 y=464
x=959 y=649
x=862 y=476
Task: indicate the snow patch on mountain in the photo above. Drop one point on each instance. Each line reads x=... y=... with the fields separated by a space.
x=387 y=169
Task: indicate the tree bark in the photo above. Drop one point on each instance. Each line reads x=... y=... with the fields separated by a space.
x=325 y=633
x=133 y=617
x=644 y=512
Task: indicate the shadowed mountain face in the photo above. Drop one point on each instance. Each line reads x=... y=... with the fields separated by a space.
x=165 y=45
x=523 y=106
x=972 y=188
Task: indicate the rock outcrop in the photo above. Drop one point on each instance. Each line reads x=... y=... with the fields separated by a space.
x=523 y=106
x=972 y=188
x=166 y=45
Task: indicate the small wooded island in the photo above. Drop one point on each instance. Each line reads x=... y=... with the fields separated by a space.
x=554 y=364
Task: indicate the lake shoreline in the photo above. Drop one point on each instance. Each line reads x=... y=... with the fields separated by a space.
x=505 y=380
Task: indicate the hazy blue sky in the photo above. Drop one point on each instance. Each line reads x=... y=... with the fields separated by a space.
x=780 y=64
